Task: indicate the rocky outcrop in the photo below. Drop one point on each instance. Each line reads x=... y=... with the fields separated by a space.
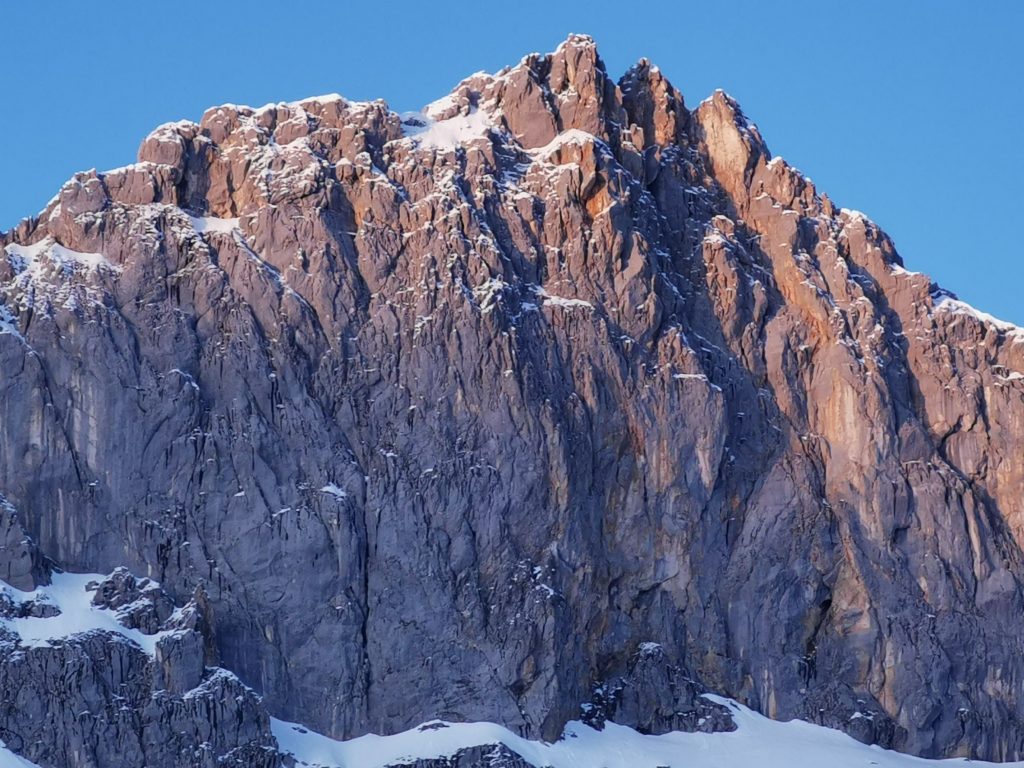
x=491 y=756
x=656 y=697
x=120 y=719
x=21 y=564
x=105 y=697
x=446 y=415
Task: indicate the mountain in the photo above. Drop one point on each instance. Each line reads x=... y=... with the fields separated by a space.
x=559 y=401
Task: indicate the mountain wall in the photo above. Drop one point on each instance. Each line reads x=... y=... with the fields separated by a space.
x=449 y=415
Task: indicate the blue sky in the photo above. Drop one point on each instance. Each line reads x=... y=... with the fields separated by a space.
x=910 y=111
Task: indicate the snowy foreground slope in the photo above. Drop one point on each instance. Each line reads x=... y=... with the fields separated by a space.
x=757 y=741
x=10 y=760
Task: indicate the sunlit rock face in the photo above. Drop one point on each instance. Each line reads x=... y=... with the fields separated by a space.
x=447 y=415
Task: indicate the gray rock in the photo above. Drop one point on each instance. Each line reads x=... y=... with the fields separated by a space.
x=92 y=700
x=488 y=756
x=139 y=603
x=21 y=565
x=448 y=431
x=96 y=699
x=655 y=697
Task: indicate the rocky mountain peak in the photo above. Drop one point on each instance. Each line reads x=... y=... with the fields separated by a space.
x=654 y=106
x=452 y=414
x=732 y=145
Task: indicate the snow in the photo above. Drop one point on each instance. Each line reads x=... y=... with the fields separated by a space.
x=428 y=133
x=334 y=490
x=325 y=98
x=65 y=258
x=46 y=269
x=169 y=131
x=440 y=106
x=715 y=237
x=8 y=324
x=203 y=224
x=560 y=301
x=758 y=742
x=10 y=760
x=945 y=302
x=189 y=379
x=69 y=593
x=896 y=269
x=487 y=293
x=570 y=136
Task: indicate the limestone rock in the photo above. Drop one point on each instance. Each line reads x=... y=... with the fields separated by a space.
x=21 y=564
x=491 y=756
x=98 y=698
x=444 y=415
x=655 y=697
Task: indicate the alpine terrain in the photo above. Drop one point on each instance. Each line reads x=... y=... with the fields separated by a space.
x=558 y=424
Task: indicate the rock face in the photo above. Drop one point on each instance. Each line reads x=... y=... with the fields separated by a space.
x=447 y=418
x=656 y=697
x=104 y=697
x=21 y=564
x=494 y=756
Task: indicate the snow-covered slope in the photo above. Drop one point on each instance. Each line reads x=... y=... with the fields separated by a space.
x=758 y=742
x=10 y=760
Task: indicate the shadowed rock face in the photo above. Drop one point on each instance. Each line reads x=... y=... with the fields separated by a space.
x=448 y=418
x=99 y=699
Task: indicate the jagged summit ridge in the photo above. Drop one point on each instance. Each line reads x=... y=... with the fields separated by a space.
x=447 y=415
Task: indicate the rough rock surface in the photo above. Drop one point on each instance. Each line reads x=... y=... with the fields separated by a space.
x=447 y=419
x=96 y=699
x=655 y=697
x=21 y=564
x=491 y=756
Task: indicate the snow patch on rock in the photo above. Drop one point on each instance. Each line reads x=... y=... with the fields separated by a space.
x=71 y=594
x=445 y=134
x=8 y=324
x=560 y=301
x=570 y=136
x=203 y=224
x=31 y=257
x=945 y=302
x=333 y=490
x=48 y=270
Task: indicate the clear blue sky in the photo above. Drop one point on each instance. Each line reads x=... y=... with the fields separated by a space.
x=910 y=111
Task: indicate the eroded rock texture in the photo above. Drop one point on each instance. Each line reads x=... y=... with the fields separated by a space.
x=101 y=699
x=448 y=418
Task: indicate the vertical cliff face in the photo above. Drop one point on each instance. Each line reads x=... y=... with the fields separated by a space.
x=448 y=414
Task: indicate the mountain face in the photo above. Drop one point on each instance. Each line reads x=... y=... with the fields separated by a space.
x=560 y=399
